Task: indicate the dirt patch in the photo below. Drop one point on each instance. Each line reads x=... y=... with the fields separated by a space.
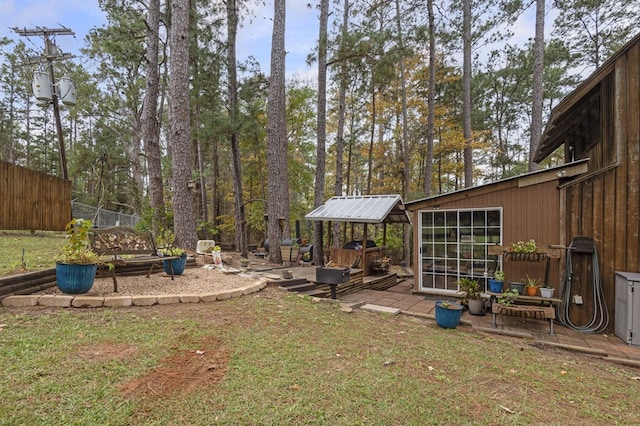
x=183 y=372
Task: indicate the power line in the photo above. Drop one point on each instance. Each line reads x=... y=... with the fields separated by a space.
x=51 y=53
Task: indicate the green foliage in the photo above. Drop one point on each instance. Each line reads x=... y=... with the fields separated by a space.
x=165 y=241
x=594 y=29
x=508 y=297
x=77 y=249
x=499 y=275
x=206 y=229
x=523 y=247
x=470 y=287
x=531 y=282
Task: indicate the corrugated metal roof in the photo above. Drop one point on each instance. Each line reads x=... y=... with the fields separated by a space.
x=362 y=209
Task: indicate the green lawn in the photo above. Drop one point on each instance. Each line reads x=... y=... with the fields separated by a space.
x=21 y=250
x=275 y=358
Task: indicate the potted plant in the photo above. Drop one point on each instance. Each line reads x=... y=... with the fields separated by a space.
x=546 y=291
x=508 y=297
x=76 y=263
x=497 y=283
x=532 y=285
x=517 y=286
x=166 y=241
x=472 y=298
x=448 y=314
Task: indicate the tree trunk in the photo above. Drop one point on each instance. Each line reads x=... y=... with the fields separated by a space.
x=318 y=198
x=179 y=127
x=342 y=95
x=405 y=136
x=538 y=85
x=238 y=199
x=373 y=136
x=150 y=125
x=466 y=93
x=431 y=101
x=277 y=167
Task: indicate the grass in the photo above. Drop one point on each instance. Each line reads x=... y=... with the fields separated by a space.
x=22 y=251
x=273 y=358
x=286 y=360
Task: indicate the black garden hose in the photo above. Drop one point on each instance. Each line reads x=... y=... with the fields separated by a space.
x=600 y=317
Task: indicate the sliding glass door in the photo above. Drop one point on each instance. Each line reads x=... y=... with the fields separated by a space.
x=453 y=244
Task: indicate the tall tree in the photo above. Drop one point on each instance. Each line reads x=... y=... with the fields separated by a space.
x=431 y=100
x=180 y=128
x=466 y=92
x=594 y=29
x=538 y=85
x=277 y=176
x=405 y=137
x=318 y=199
x=342 y=94
x=150 y=119
x=232 y=92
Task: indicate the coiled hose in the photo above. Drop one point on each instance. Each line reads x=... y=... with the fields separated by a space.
x=600 y=318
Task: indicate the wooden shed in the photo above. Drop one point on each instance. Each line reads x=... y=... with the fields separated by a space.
x=465 y=233
x=600 y=123
x=594 y=197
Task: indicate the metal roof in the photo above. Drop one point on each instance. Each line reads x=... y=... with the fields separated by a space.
x=362 y=209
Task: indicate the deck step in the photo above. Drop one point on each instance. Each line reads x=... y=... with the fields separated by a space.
x=290 y=282
x=300 y=287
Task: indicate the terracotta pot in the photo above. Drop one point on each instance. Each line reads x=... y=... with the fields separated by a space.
x=532 y=291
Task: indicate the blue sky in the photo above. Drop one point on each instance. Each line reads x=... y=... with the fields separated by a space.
x=81 y=15
x=254 y=37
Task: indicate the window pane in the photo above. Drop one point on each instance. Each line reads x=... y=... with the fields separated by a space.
x=465 y=218
x=479 y=218
x=493 y=218
x=438 y=219
x=427 y=220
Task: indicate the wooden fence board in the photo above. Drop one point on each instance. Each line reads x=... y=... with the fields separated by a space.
x=32 y=200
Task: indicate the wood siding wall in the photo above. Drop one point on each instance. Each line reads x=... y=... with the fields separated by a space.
x=529 y=212
x=606 y=206
x=33 y=200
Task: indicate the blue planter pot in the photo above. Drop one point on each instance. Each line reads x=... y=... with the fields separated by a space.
x=74 y=278
x=177 y=264
x=495 y=286
x=448 y=317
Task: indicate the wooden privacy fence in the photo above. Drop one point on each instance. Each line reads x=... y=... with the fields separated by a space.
x=33 y=200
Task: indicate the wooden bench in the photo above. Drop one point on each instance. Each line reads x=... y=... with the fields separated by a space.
x=526 y=312
x=138 y=247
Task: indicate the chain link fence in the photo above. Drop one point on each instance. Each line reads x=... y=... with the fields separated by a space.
x=102 y=218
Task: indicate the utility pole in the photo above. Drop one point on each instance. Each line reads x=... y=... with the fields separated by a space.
x=51 y=54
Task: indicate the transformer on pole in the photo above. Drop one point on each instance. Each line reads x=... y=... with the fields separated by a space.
x=47 y=89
